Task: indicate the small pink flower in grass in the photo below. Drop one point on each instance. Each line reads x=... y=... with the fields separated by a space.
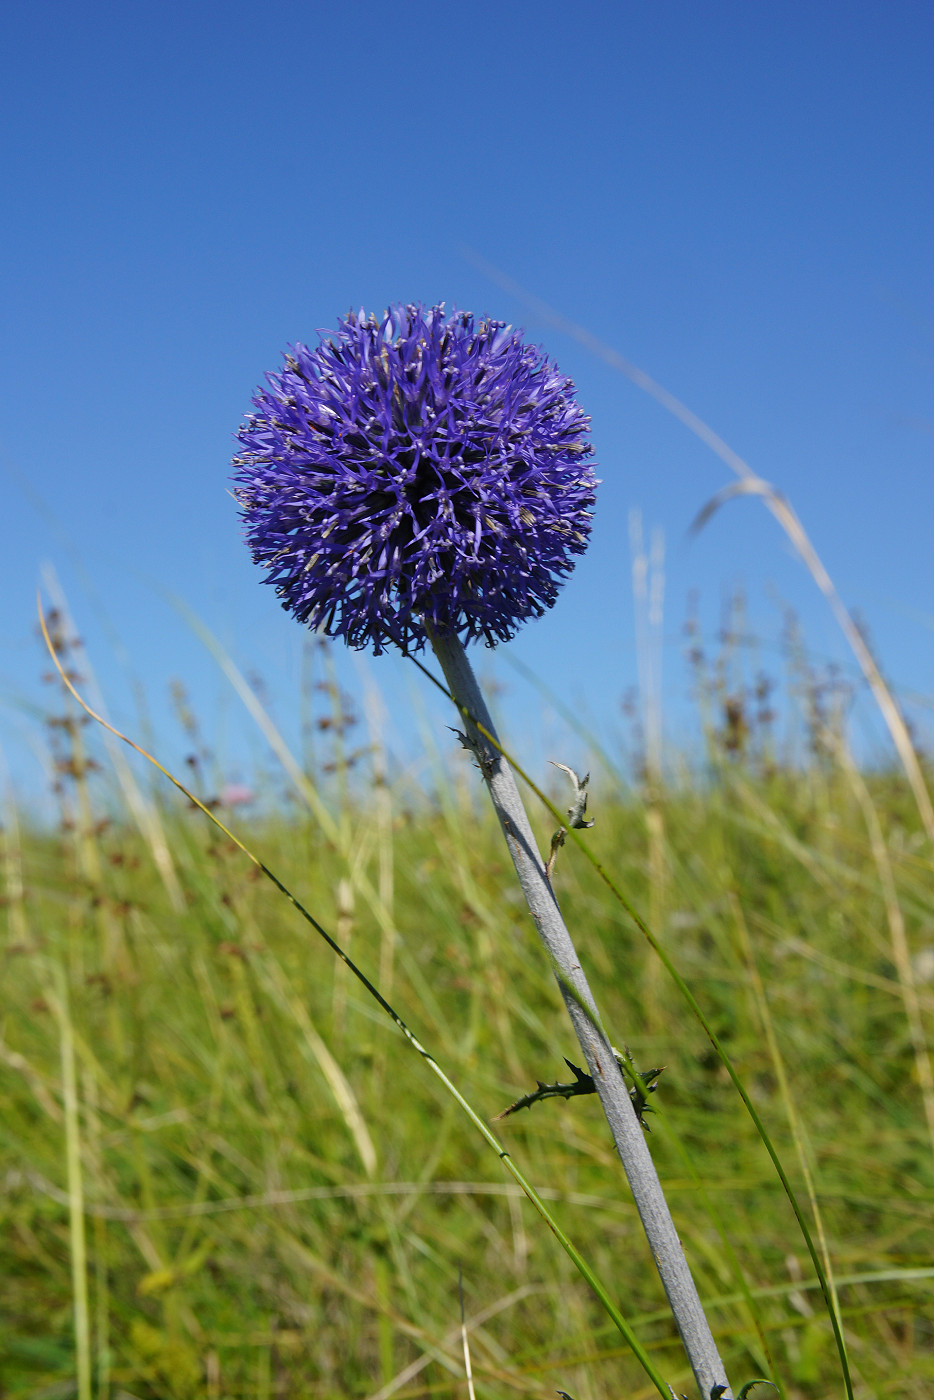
x=237 y=795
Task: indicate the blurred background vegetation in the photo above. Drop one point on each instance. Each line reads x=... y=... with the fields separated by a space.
x=278 y=1199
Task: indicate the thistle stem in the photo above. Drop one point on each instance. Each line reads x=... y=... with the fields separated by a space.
x=628 y=1135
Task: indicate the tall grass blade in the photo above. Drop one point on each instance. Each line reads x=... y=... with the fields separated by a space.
x=58 y=1001
x=788 y=1098
x=750 y=484
x=584 y=1269
x=696 y=1010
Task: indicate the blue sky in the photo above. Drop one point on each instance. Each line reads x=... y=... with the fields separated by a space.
x=735 y=197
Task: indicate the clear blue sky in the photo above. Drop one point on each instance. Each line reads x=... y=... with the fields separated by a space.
x=733 y=196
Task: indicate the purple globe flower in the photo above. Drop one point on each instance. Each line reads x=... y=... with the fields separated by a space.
x=422 y=469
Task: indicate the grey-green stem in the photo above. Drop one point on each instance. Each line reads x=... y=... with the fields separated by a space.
x=628 y=1135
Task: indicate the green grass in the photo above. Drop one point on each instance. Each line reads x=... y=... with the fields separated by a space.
x=278 y=1197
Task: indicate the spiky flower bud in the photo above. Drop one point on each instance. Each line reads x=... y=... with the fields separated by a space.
x=419 y=469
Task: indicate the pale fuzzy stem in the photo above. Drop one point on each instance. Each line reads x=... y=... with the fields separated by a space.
x=628 y=1134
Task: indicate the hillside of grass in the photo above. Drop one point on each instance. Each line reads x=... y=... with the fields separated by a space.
x=278 y=1199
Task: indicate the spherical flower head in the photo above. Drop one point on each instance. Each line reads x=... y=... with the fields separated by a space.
x=420 y=470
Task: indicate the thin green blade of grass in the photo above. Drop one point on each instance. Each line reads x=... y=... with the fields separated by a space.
x=584 y=1269
x=58 y=1000
x=692 y=1003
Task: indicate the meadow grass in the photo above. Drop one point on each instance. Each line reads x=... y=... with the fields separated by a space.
x=225 y=1173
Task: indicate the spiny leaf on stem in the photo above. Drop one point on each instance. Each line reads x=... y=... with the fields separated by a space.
x=584 y=1084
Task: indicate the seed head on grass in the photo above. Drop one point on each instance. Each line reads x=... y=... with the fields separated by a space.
x=419 y=469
